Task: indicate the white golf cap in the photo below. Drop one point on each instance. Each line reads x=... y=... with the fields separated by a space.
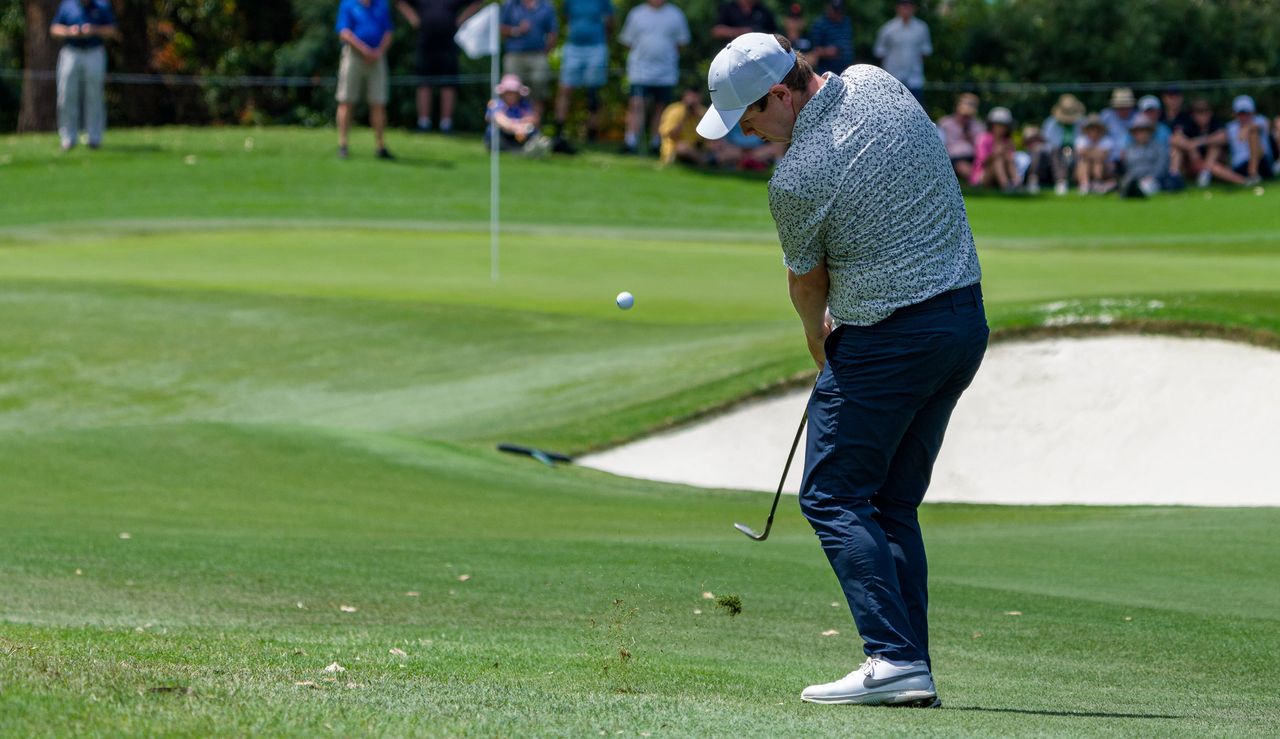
x=1149 y=102
x=741 y=74
x=1242 y=104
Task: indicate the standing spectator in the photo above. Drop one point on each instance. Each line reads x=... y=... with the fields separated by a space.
x=794 y=25
x=960 y=132
x=1201 y=142
x=1248 y=143
x=1061 y=132
x=1146 y=160
x=584 y=63
x=831 y=39
x=530 y=28
x=679 y=130
x=737 y=17
x=993 y=155
x=364 y=26
x=436 y=54
x=82 y=68
x=901 y=46
x=654 y=31
x=1094 y=162
x=1117 y=118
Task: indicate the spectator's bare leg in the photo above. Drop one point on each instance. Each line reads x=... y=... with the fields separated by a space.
x=448 y=99
x=424 y=104
x=378 y=119
x=964 y=170
x=655 y=120
x=1082 y=174
x=563 y=97
x=1254 y=137
x=635 y=118
x=344 y=123
x=1220 y=170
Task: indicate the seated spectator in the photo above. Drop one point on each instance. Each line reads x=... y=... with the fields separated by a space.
x=1033 y=160
x=1199 y=145
x=1117 y=118
x=1146 y=161
x=1175 y=116
x=793 y=27
x=1094 y=169
x=747 y=151
x=831 y=38
x=1248 y=145
x=993 y=155
x=737 y=17
x=513 y=119
x=679 y=130
x=1149 y=111
x=1061 y=132
x=960 y=132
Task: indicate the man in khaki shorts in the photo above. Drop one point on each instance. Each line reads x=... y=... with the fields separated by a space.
x=530 y=28
x=365 y=29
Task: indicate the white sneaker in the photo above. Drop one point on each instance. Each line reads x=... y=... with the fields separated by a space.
x=1060 y=188
x=1203 y=179
x=879 y=682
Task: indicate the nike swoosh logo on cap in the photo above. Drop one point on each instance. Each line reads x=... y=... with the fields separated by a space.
x=871 y=682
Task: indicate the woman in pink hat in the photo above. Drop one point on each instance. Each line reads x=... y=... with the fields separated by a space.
x=515 y=119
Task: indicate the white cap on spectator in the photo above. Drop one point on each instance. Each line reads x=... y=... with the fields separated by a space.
x=1148 y=102
x=1243 y=104
x=741 y=74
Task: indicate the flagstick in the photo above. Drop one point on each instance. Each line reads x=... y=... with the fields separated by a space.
x=494 y=44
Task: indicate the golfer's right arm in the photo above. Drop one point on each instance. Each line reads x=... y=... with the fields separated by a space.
x=809 y=296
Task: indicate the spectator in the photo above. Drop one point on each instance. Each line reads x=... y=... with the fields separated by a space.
x=831 y=40
x=1094 y=162
x=1201 y=143
x=901 y=46
x=1248 y=144
x=747 y=151
x=1117 y=118
x=514 y=119
x=1146 y=160
x=960 y=132
x=530 y=28
x=82 y=68
x=679 y=130
x=436 y=54
x=1033 y=161
x=654 y=31
x=1149 y=108
x=1061 y=133
x=793 y=26
x=993 y=155
x=1175 y=116
x=584 y=63
x=1149 y=111
x=364 y=26
x=737 y=17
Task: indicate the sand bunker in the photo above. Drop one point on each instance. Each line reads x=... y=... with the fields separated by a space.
x=1099 y=421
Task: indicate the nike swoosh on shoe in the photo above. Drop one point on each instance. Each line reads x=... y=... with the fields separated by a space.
x=870 y=682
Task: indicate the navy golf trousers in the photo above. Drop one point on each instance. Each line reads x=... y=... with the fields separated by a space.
x=876 y=421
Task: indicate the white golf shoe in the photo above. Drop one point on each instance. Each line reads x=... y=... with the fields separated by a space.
x=879 y=682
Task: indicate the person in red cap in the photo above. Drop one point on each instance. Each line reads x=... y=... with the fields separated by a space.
x=882 y=271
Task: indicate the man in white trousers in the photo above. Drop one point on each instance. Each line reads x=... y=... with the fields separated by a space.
x=82 y=68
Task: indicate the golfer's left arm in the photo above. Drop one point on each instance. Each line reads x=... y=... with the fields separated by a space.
x=809 y=296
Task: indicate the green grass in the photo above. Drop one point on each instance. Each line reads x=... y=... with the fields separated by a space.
x=283 y=375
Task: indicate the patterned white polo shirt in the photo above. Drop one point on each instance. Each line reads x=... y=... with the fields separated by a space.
x=867 y=184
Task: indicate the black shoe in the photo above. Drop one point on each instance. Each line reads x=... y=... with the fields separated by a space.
x=562 y=146
x=343 y=153
x=385 y=155
x=629 y=151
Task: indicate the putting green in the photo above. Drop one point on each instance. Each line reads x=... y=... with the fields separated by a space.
x=289 y=404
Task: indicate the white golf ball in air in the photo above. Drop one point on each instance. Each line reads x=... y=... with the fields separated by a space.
x=626 y=300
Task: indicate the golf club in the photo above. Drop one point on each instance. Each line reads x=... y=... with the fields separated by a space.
x=787 y=468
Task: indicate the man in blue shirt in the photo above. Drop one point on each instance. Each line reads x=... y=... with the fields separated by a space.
x=530 y=28
x=364 y=26
x=832 y=38
x=82 y=68
x=584 y=62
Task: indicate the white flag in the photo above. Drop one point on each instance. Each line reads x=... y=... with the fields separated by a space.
x=476 y=36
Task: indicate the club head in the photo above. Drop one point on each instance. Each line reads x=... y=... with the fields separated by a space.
x=751 y=534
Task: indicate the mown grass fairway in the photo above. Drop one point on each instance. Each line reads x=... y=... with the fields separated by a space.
x=282 y=377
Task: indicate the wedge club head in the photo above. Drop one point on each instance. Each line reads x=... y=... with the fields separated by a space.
x=750 y=533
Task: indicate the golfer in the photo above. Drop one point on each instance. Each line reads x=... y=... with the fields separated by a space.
x=883 y=273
